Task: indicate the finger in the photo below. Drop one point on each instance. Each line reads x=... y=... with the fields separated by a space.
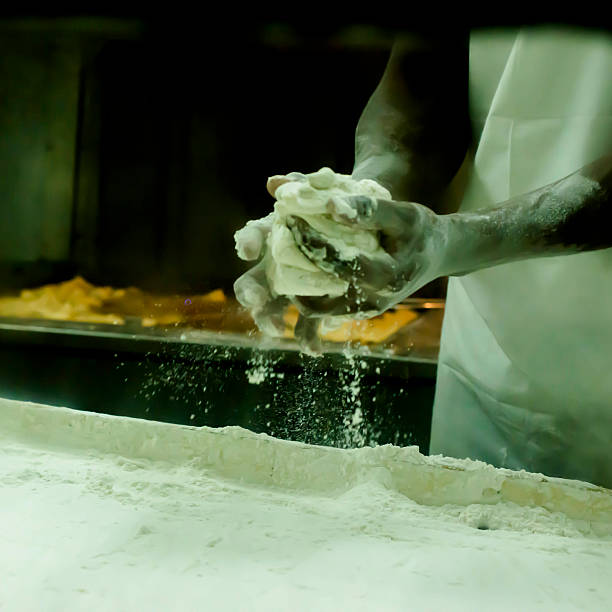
x=250 y=240
x=253 y=292
x=307 y=334
x=311 y=306
x=373 y=214
x=362 y=270
x=355 y=301
x=312 y=243
x=366 y=272
x=375 y=274
x=251 y=289
x=274 y=182
x=270 y=318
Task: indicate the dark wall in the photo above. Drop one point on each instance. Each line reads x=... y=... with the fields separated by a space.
x=189 y=132
x=133 y=149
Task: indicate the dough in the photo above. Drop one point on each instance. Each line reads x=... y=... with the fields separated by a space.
x=288 y=270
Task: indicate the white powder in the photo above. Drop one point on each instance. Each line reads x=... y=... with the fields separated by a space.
x=357 y=431
x=256 y=376
x=342 y=423
x=110 y=513
x=261 y=368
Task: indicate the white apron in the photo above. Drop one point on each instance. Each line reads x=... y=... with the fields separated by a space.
x=525 y=370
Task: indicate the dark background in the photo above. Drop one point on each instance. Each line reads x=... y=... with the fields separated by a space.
x=190 y=132
x=133 y=148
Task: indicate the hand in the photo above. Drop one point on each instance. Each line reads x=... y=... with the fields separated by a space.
x=252 y=289
x=413 y=237
x=251 y=239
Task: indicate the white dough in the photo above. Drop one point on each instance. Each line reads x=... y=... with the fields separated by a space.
x=289 y=271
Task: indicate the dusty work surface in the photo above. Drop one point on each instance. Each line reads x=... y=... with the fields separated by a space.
x=110 y=513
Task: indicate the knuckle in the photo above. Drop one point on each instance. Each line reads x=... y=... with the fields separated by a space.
x=364 y=205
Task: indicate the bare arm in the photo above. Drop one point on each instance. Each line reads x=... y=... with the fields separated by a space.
x=415 y=131
x=568 y=216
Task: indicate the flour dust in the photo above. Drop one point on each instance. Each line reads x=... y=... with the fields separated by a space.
x=314 y=400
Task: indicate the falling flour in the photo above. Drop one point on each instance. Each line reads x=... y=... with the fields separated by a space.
x=261 y=368
x=341 y=422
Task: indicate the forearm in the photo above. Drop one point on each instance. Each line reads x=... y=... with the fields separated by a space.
x=414 y=132
x=569 y=216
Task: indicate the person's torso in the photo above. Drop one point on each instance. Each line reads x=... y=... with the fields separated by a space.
x=536 y=334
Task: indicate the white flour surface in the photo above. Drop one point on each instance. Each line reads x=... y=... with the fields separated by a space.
x=110 y=513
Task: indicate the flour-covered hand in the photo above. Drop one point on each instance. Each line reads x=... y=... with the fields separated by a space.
x=253 y=290
x=413 y=239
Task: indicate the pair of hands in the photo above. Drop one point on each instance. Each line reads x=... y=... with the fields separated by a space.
x=412 y=235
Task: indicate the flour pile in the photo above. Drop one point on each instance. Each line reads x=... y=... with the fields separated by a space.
x=288 y=270
x=110 y=513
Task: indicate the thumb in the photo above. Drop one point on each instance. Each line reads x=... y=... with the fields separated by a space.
x=274 y=182
x=367 y=213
